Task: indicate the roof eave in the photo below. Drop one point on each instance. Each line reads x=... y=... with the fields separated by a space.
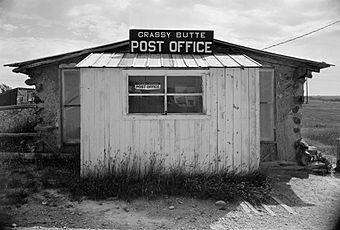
x=315 y=64
x=22 y=66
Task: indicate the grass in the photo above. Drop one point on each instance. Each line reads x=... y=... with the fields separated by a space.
x=20 y=179
x=17 y=144
x=325 y=98
x=224 y=186
x=321 y=123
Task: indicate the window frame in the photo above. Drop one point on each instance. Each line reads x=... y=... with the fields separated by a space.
x=273 y=103
x=64 y=141
x=167 y=73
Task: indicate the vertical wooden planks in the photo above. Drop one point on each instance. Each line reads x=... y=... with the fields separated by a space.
x=82 y=133
x=137 y=133
x=161 y=139
x=116 y=107
x=84 y=119
x=182 y=135
x=187 y=143
x=244 y=106
x=213 y=146
x=221 y=118
x=253 y=118
x=108 y=102
x=143 y=138
x=257 y=116
x=93 y=120
x=93 y=130
x=198 y=145
x=229 y=117
x=237 y=120
x=99 y=122
x=204 y=156
x=169 y=148
x=102 y=102
x=97 y=140
x=91 y=113
x=87 y=116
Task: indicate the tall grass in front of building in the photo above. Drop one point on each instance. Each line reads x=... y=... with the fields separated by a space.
x=254 y=186
x=25 y=178
x=130 y=178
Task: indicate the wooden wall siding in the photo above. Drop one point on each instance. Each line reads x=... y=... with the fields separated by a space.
x=227 y=138
x=238 y=119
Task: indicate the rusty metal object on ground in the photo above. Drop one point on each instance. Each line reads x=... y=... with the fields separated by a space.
x=307 y=155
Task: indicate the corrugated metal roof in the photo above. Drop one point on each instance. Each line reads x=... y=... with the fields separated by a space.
x=125 y=60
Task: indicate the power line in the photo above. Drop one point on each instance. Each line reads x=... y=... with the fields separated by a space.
x=303 y=35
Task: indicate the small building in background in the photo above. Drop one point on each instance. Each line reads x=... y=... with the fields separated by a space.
x=17 y=96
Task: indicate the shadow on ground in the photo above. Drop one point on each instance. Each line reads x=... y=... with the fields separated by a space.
x=282 y=175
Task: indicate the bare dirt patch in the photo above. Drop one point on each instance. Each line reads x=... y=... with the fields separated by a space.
x=315 y=199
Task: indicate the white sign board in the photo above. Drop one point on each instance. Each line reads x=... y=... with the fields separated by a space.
x=148 y=86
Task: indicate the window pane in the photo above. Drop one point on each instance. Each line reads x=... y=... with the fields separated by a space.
x=71 y=87
x=267 y=122
x=185 y=104
x=146 y=104
x=146 y=84
x=267 y=105
x=184 y=84
x=72 y=123
x=266 y=86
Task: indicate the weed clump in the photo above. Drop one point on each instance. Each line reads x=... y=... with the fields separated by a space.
x=27 y=178
x=253 y=186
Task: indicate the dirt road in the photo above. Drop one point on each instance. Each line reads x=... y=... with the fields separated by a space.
x=314 y=200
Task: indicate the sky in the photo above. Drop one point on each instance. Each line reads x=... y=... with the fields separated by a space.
x=37 y=28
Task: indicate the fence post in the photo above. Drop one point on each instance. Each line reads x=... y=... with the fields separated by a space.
x=338 y=154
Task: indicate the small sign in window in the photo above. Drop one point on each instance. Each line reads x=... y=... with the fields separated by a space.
x=148 y=86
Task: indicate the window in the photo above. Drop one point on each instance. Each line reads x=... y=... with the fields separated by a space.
x=267 y=109
x=30 y=97
x=71 y=105
x=165 y=94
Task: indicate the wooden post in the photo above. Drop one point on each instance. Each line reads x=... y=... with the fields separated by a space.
x=338 y=154
x=338 y=148
x=307 y=91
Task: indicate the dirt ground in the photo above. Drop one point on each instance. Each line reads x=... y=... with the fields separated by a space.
x=314 y=198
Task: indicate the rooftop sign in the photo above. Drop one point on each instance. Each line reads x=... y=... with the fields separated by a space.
x=171 y=41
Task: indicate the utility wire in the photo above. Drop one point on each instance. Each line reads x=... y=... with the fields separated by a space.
x=303 y=35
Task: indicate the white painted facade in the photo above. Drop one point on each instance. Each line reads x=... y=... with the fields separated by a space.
x=225 y=137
